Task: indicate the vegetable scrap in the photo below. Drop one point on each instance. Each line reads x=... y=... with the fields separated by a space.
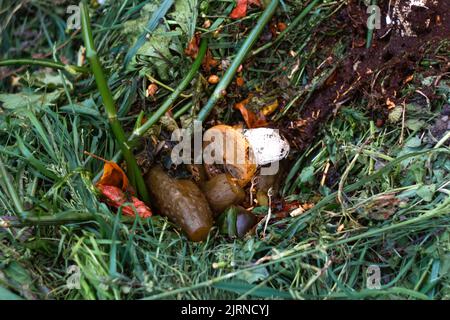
x=117 y=192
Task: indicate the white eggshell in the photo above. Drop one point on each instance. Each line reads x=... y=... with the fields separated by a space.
x=267 y=144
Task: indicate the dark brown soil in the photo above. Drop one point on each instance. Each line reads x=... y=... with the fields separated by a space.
x=379 y=72
x=442 y=124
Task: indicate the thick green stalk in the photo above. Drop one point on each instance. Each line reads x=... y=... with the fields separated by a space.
x=174 y=95
x=291 y=26
x=242 y=53
x=134 y=172
x=45 y=63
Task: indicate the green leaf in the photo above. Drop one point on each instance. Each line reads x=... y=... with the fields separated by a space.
x=156 y=51
x=307 y=174
x=254 y=275
x=445 y=268
x=151 y=26
x=16 y=272
x=154 y=43
x=5 y=294
x=260 y=210
x=408 y=194
x=414 y=142
x=428 y=81
x=426 y=192
x=28 y=99
x=185 y=14
x=51 y=80
x=227 y=222
x=414 y=124
x=415 y=173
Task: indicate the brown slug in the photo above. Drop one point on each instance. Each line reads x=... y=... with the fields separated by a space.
x=223 y=191
x=182 y=202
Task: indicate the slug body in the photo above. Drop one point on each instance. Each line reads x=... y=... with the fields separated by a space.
x=182 y=202
x=222 y=191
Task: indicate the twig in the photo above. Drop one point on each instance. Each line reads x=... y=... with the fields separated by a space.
x=269 y=211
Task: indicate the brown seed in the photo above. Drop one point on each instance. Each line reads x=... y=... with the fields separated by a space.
x=213 y=79
x=216 y=33
x=151 y=90
x=207 y=24
x=281 y=26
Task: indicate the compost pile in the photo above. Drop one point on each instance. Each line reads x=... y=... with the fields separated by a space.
x=332 y=159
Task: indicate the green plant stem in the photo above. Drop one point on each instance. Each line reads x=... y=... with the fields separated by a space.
x=243 y=51
x=291 y=26
x=45 y=63
x=443 y=140
x=29 y=218
x=57 y=219
x=134 y=172
x=139 y=132
x=165 y=86
x=182 y=110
